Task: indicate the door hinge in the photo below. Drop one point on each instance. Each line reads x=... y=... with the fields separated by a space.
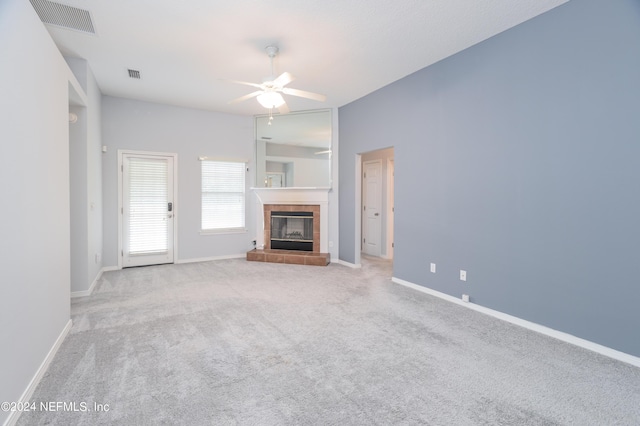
x=364 y=240
x=365 y=175
x=393 y=245
x=121 y=168
x=121 y=210
x=364 y=208
x=122 y=253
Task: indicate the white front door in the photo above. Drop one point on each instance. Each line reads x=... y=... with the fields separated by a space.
x=148 y=209
x=371 y=206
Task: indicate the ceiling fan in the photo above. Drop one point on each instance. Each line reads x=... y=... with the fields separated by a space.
x=269 y=95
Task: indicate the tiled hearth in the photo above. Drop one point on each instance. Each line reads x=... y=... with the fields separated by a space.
x=285 y=201
x=295 y=257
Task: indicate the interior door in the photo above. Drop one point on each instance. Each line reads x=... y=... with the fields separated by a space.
x=148 y=209
x=371 y=206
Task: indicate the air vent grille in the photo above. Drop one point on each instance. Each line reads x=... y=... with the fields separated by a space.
x=64 y=16
x=134 y=73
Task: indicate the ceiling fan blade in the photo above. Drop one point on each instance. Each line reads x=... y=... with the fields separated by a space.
x=246 y=83
x=283 y=109
x=283 y=79
x=245 y=97
x=304 y=94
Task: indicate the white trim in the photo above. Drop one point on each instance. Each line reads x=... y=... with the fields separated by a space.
x=28 y=392
x=347 y=264
x=88 y=292
x=110 y=268
x=358 y=211
x=224 y=159
x=85 y=293
x=208 y=259
x=120 y=154
x=560 y=335
x=390 y=202
x=223 y=231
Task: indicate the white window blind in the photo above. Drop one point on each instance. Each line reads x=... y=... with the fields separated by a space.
x=148 y=197
x=223 y=195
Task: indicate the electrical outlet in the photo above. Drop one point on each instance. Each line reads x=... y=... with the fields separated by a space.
x=463 y=275
x=433 y=268
x=465 y=298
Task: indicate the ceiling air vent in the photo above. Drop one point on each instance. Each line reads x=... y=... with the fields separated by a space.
x=64 y=16
x=134 y=73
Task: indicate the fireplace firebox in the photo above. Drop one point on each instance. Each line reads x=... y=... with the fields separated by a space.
x=292 y=230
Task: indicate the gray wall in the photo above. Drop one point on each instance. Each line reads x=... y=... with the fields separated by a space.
x=85 y=143
x=34 y=132
x=144 y=126
x=78 y=199
x=517 y=160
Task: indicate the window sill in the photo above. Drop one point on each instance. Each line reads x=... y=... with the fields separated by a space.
x=223 y=231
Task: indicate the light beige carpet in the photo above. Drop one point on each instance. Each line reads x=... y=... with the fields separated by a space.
x=248 y=343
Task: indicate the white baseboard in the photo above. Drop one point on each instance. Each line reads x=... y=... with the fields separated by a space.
x=348 y=264
x=110 y=268
x=208 y=259
x=560 y=335
x=28 y=392
x=85 y=293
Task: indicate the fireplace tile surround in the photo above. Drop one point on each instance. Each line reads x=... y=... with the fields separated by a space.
x=315 y=209
x=314 y=200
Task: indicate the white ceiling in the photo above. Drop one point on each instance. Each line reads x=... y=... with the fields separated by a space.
x=344 y=49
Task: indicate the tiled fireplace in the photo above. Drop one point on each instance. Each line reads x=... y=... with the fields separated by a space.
x=299 y=218
x=293 y=213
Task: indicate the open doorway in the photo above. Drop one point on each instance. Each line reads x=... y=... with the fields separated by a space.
x=375 y=181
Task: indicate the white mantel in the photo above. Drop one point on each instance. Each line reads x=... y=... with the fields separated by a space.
x=302 y=196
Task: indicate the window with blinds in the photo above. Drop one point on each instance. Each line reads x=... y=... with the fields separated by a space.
x=148 y=197
x=147 y=206
x=223 y=195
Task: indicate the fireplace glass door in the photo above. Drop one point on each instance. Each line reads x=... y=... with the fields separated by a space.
x=292 y=231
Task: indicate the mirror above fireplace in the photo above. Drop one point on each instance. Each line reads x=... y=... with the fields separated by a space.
x=294 y=150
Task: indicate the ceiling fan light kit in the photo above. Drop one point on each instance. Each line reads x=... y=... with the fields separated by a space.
x=271 y=100
x=269 y=95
